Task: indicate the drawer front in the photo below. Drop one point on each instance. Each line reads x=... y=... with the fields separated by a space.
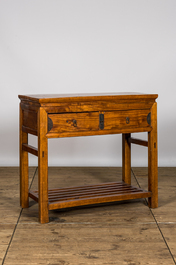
x=74 y=122
x=99 y=122
x=126 y=119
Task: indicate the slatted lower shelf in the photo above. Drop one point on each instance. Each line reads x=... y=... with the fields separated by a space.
x=91 y=194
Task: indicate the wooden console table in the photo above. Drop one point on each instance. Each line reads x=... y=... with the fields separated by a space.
x=55 y=116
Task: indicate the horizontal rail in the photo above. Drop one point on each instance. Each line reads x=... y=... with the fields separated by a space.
x=97 y=132
x=98 y=199
x=30 y=149
x=29 y=130
x=138 y=141
x=33 y=196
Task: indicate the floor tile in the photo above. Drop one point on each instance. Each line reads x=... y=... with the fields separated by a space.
x=88 y=244
x=169 y=233
x=123 y=233
x=9 y=204
x=166 y=211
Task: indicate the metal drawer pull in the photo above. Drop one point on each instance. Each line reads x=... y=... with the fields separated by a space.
x=149 y=118
x=50 y=124
x=74 y=123
x=127 y=120
x=101 y=121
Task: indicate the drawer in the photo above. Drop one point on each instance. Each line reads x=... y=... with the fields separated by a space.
x=126 y=119
x=73 y=122
x=109 y=121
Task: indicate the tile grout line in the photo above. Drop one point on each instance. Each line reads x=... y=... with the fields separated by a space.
x=33 y=178
x=155 y=220
x=16 y=224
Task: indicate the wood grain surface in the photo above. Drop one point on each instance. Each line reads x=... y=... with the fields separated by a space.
x=54 y=98
x=43 y=166
x=102 y=114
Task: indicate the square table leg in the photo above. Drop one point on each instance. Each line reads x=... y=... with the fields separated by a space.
x=126 y=158
x=153 y=159
x=24 y=181
x=43 y=166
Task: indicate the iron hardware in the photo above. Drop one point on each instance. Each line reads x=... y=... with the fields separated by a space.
x=74 y=123
x=101 y=121
x=127 y=120
x=50 y=124
x=149 y=118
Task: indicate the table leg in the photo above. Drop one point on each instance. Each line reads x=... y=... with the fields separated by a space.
x=43 y=166
x=126 y=158
x=24 y=181
x=153 y=159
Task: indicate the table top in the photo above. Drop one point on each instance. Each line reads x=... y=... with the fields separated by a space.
x=45 y=98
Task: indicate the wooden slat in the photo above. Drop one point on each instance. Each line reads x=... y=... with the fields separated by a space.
x=87 y=187
x=30 y=149
x=94 y=189
x=88 y=191
x=138 y=141
x=81 y=190
x=98 y=199
x=107 y=184
x=79 y=196
x=91 y=194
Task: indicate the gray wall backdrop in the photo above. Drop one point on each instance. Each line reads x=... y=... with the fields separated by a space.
x=78 y=46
